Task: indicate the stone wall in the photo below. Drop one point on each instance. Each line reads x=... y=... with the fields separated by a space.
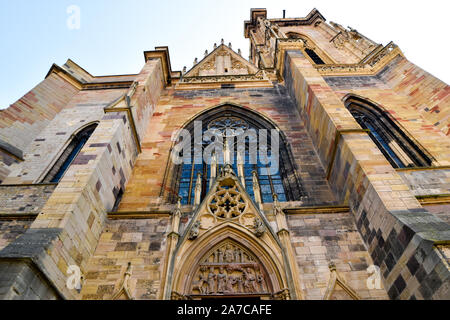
x=393 y=224
x=319 y=239
x=71 y=222
x=23 y=120
x=83 y=109
x=442 y=211
x=427 y=182
x=24 y=281
x=24 y=199
x=379 y=89
x=10 y=230
x=139 y=242
x=174 y=111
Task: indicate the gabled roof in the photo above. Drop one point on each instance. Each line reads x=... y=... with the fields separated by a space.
x=210 y=59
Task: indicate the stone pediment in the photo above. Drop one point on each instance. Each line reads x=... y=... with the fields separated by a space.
x=227 y=202
x=222 y=61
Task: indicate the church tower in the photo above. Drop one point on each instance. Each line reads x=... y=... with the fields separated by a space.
x=319 y=169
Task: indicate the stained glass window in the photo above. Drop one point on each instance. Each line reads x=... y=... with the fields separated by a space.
x=230 y=126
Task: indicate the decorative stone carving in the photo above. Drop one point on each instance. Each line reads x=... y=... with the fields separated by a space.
x=371 y=61
x=259 y=227
x=230 y=270
x=282 y=295
x=227 y=202
x=195 y=231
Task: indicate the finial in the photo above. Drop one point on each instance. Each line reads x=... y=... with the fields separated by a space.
x=275 y=200
x=128 y=272
x=206 y=53
x=177 y=211
x=239 y=52
x=276 y=205
x=229 y=45
x=332 y=266
x=222 y=41
x=215 y=45
x=195 y=61
x=184 y=69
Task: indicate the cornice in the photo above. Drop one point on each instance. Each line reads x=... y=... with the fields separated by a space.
x=370 y=65
x=258 y=79
x=163 y=54
x=138 y=215
x=80 y=85
x=310 y=19
x=317 y=210
x=434 y=200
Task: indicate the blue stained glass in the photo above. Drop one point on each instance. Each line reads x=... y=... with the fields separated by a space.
x=385 y=145
x=267 y=198
x=262 y=169
x=266 y=189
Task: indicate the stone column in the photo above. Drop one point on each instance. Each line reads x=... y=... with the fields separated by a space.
x=172 y=241
x=285 y=238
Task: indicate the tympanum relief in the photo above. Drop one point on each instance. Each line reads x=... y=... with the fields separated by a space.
x=230 y=270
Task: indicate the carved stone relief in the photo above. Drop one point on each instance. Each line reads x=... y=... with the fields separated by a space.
x=229 y=270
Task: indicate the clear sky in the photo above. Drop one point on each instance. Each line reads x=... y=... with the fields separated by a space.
x=113 y=34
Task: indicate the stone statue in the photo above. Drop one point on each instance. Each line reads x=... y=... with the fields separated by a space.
x=259 y=227
x=221 y=281
x=230 y=283
x=249 y=282
x=260 y=280
x=229 y=254
x=240 y=286
x=220 y=256
x=237 y=255
x=199 y=285
x=195 y=231
x=211 y=281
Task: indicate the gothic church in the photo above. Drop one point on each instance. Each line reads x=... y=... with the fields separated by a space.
x=93 y=206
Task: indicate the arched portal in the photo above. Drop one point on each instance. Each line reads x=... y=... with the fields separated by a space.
x=229 y=262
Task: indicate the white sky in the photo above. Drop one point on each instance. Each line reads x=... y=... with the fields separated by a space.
x=114 y=33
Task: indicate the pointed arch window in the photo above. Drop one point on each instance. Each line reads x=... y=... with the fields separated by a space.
x=308 y=50
x=284 y=183
x=398 y=148
x=65 y=160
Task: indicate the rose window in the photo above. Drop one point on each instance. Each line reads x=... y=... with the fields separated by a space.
x=227 y=203
x=228 y=126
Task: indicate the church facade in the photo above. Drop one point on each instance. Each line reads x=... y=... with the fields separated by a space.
x=319 y=169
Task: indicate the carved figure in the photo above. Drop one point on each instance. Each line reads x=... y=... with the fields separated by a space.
x=230 y=283
x=250 y=281
x=199 y=285
x=259 y=227
x=260 y=280
x=221 y=281
x=211 y=281
x=195 y=231
x=237 y=255
x=229 y=254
